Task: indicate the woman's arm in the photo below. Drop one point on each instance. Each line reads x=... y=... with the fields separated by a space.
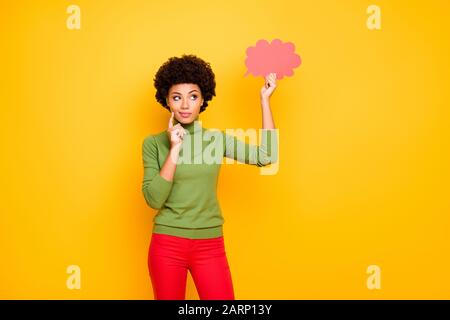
x=157 y=183
x=267 y=151
x=170 y=165
x=267 y=119
x=155 y=188
x=266 y=92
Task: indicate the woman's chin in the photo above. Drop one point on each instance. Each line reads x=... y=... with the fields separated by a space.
x=185 y=120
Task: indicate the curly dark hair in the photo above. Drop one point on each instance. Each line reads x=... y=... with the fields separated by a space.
x=187 y=69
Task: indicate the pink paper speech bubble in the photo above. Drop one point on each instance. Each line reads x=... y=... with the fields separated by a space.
x=278 y=57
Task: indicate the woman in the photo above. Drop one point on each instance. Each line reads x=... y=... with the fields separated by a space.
x=187 y=231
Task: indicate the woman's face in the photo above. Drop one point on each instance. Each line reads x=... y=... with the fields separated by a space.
x=185 y=100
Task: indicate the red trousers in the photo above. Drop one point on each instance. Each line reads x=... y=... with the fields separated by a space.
x=170 y=257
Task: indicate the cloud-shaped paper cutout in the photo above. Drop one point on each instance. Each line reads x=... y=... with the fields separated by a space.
x=278 y=57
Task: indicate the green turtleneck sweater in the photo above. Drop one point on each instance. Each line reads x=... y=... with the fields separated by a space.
x=188 y=205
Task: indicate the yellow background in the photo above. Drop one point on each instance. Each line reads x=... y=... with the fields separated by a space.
x=364 y=146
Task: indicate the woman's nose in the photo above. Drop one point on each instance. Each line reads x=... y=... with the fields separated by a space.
x=185 y=105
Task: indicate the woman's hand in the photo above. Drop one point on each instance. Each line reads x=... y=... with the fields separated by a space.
x=269 y=86
x=176 y=133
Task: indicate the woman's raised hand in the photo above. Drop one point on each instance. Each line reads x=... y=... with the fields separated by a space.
x=270 y=83
x=175 y=132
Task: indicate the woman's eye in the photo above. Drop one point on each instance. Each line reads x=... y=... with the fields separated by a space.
x=192 y=97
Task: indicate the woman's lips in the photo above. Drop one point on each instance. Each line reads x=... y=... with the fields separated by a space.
x=185 y=114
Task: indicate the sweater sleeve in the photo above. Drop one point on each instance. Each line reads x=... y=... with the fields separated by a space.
x=155 y=188
x=260 y=155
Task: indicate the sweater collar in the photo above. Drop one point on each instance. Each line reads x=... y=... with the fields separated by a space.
x=193 y=127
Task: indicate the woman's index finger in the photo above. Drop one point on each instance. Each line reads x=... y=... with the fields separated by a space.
x=171 y=121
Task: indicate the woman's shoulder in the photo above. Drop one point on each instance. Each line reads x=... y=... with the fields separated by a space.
x=154 y=138
x=213 y=130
